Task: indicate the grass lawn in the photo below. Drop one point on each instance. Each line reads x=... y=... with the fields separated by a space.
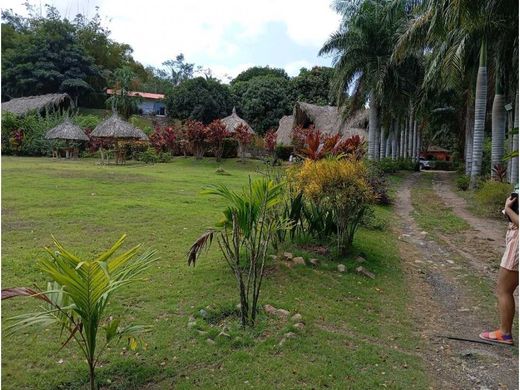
x=357 y=333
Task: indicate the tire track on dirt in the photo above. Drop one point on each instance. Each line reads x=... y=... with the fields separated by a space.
x=441 y=304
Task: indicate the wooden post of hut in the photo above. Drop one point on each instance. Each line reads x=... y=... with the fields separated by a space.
x=68 y=132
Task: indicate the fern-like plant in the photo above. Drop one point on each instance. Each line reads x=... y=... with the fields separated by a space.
x=78 y=294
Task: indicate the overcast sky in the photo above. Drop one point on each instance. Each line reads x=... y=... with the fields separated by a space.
x=227 y=36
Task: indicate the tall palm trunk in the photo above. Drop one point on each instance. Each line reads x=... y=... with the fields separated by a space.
x=470 y=122
x=388 y=148
x=498 y=124
x=480 y=115
x=394 y=140
x=373 y=124
x=382 y=144
x=514 y=161
x=414 y=140
x=410 y=134
x=376 y=144
x=401 y=138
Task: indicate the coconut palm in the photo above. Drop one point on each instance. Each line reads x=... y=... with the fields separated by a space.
x=77 y=297
x=362 y=47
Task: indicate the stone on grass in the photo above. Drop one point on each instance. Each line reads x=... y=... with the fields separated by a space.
x=210 y=341
x=282 y=313
x=299 y=325
x=297 y=317
x=203 y=313
x=288 y=255
x=314 y=262
x=360 y=259
x=290 y=335
x=363 y=271
x=274 y=257
x=202 y=332
x=270 y=309
x=341 y=268
x=298 y=260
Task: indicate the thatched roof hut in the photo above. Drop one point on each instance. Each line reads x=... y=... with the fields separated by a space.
x=115 y=127
x=233 y=120
x=67 y=131
x=24 y=105
x=327 y=119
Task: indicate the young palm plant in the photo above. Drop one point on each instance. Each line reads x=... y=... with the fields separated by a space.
x=78 y=295
x=249 y=224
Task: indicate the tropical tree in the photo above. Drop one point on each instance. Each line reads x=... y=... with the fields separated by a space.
x=250 y=221
x=126 y=105
x=362 y=48
x=78 y=295
x=196 y=135
x=244 y=138
x=216 y=133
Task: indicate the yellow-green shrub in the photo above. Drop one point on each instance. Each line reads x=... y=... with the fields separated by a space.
x=492 y=195
x=340 y=186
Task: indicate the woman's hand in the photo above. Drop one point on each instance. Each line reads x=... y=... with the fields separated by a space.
x=509 y=202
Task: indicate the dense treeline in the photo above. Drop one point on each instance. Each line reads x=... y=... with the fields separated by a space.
x=428 y=70
x=47 y=53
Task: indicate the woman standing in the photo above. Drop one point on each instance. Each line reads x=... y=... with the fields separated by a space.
x=507 y=277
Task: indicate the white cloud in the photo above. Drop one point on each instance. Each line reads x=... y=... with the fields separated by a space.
x=293 y=68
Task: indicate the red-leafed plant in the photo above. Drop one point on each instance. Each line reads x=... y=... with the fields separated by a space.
x=216 y=132
x=164 y=140
x=270 y=141
x=94 y=144
x=499 y=172
x=244 y=138
x=353 y=147
x=196 y=134
x=299 y=135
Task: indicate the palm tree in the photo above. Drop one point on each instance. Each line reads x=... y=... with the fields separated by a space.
x=498 y=124
x=362 y=47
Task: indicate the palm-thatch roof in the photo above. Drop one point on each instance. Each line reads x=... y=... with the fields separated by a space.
x=115 y=127
x=327 y=119
x=24 y=105
x=233 y=120
x=68 y=131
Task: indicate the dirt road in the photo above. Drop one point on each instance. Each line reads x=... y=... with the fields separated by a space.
x=449 y=286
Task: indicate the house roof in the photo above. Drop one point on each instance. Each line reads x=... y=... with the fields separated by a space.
x=67 y=130
x=144 y=95
x=327 y=119
x=435 y=148
x=233 y=120
x=24 y=105
x=115 y=127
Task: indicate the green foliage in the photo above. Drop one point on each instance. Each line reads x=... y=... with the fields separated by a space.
x=149 y=156
x=78 y=295
x=88 y=121
x=199 y=99
x=313 y=86
x=33 y=59
x=230 y=148
x=249 y=224
x=444 y=165
x=491 y=196
x=260 y=71
x=262 y=101
x=463 y=182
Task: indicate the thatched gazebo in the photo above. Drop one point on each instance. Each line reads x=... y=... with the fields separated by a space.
x=24 y=105
x=328 y=119
x=233 y=121
x=68 y=132
x=116 y=129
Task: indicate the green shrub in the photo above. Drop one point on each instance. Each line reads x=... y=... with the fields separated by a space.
x=463 y=182
x=283 y=152
x=387 y=165
x=492 y=195
x=88 y=121
x=149 y=156
x=165 y=157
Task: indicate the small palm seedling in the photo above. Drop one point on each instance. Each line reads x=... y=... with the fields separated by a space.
x=250 y=221
x=78 y=294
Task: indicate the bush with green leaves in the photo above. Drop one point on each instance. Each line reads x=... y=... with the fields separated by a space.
x=251 y=219
x=283 y=152
x=463 y=182
x=78 y=295
x=149 y=156
x=492 y=195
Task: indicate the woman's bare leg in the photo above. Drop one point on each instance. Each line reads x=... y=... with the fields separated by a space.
x=506 y=285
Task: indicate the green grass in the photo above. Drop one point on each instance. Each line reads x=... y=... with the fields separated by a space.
x=357 y=334
x=430 y=212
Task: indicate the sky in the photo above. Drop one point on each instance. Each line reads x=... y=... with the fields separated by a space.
x=227 y=36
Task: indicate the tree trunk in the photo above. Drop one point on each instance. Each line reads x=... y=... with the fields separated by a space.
x=388 y=146
x=470 y=122
x=373 y=124
x=409 y=149
x=480 y=115
x=92 y=376
x=498 y=124
x=514 y=161
x=382 y=144
x=401 y=138
x=414 y=140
